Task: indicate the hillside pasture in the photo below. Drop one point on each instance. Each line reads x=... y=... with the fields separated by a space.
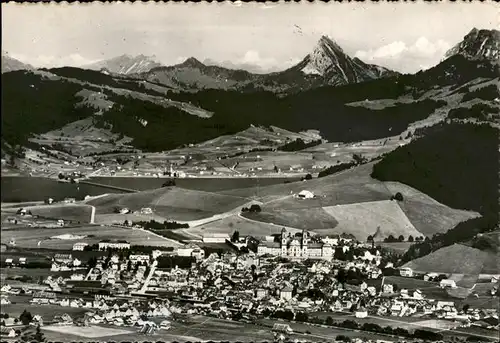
x=235 y=223
x=313 y=219
x=454 y=259
x=347 y=187
x=29 y=237
x=426 y=214
x=71 y=212
x=363 y=219
x=171 y=203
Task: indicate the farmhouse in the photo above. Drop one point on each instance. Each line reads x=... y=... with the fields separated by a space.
x=305 y=195
x=407 y=272
x=447 y=283
x=215 y=238
x=63 y=258
x=43 y=297
x=361 y=313
x=107 y=244
x=79 y=246
x=138 y=258
x=286 y=294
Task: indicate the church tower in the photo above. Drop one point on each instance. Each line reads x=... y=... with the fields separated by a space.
x=284 y=241
x=305 y=242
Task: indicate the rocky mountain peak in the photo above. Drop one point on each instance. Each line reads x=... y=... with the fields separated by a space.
x=126 y=64
x=325 y=54
x=192 y=63
x=478 y=44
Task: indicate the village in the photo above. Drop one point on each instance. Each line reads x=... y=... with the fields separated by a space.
x=298 y=278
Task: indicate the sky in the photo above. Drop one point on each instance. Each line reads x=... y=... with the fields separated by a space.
x=405 y=37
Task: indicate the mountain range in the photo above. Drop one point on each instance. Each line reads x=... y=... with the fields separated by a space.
x=11 y=64
x=328 y=65
x=195 y=102
x=125 y=64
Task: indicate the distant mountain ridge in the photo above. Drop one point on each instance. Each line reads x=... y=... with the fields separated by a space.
x=478 y=44
x=125 y=64
x=327 y=65
x=11 y=64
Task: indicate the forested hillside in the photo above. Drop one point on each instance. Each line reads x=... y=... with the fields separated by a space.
x=456 y=164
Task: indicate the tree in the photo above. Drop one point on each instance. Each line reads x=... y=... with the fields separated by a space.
x=255 y=208
x=401 y=238
x=308 y=177
x=410 y=238
x=398 y=196
x=329 y=321
x=358 y=158
x=38 y=335
x=61 y=176
x=465 y=308
x=235 y=237
x=370 y=238
x=25 y=317
x=390 y=239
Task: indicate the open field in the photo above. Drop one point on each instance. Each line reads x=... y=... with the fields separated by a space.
x=46 y=311
x=29 y=237
x=457 y=258
x=427 y=215
x=235 y=223
x=313 y=219
x=363 y=219
x=347 y=187
x=86 y=331
x=323 y=333
x=170 y=203
x=34 y=273
x=72 y=212
x=399 y=247
x=429 y=289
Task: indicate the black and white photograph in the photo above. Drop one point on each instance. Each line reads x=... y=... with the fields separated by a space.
x=250 y=172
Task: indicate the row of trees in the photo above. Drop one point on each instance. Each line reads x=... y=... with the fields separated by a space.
x=298 y=145
x=401 y=238
x=252 y=209
x=166 y=225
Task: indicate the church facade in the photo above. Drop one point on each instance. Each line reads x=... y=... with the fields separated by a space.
x=293 y=246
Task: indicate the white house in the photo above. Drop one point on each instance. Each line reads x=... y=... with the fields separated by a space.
x=305 y=195
x=447 y=283
x=104 y=245
x=286 y=294
x=79 y=246
x=260 y=293
x=139 y=258
x=405 y=271
x=361 y=313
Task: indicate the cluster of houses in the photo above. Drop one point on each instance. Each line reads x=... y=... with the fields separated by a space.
x=293 y=277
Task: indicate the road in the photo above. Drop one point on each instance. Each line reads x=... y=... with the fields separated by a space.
x=92 y=214
x=148 y=278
